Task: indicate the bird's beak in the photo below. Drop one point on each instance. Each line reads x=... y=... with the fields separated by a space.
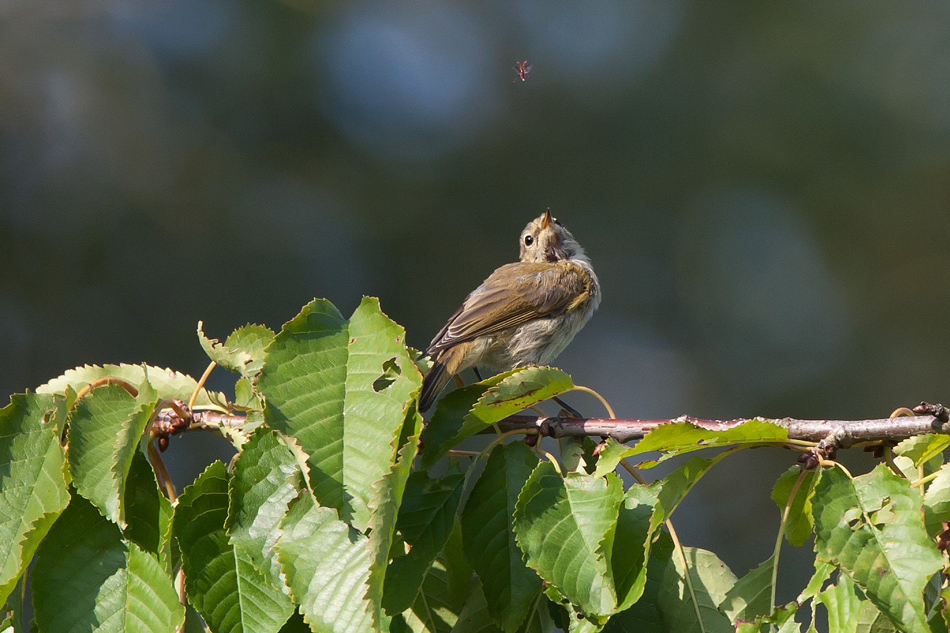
x=546 y=220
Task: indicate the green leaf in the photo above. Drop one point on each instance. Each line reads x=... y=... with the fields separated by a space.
x=32 y=483
x=434 y=609
x=937 y=502
x=225 y=584
x=870 y=527
x=468 y=410
x=682 y=437
x=751 y=596
x=822 y=573
x=426 y=518
x=571 y=455
x=799 y=525
x=843 y=603
x=266 y=479
x=644 y=615
x=147 y=512
x=579 y=622
x=423 y=362
x=871 y=620
x=813 y=588
x=635 y=530
x=449 y=416
x=459 y=574
x=385 y=506
x=781 y=621
x=341 y=388
x=326 y=563
x=921 y=448
x=11 y=611
x=474 y=617
x=105 y=428
x=565 y=526
x=610 y=456
x=245 y=397
x=539 y=618
x=488 y=539
x=167 y=383
x=242 y=352
x=86 y=577
x=693 y=605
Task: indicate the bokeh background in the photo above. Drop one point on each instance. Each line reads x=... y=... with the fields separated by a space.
x=764 y=189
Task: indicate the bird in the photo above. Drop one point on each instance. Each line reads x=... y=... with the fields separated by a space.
x=525 y=313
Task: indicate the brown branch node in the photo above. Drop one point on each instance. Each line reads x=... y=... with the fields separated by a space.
x=171 y=419
x=936 y=410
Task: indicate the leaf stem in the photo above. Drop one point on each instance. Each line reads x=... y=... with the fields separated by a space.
x=899 y=411
x=803 y=443
x=98 y=382
x=201 y=382
x=551 y=458
x=161 y=473
x=781 y=534
x=925 y=480
x=831 y=463
x=889 y=460
x=603 y=400
x=454 y=452
x=689 y=581
x=633 y=472
x=501 y=437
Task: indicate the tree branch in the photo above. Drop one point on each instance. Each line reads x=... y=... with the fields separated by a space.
x=832 y=433
x=844 y=432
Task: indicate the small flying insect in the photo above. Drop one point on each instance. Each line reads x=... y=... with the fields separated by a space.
x=523 y=69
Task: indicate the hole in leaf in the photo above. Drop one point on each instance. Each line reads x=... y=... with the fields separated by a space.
x=390 y=372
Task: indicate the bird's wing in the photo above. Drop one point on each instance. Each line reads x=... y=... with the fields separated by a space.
x=532 y=290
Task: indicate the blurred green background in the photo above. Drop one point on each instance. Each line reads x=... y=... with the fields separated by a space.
x=764 y=190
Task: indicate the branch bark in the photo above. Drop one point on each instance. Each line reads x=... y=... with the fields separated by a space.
x=842 y=433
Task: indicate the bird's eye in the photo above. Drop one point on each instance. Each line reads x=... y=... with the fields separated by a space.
x=528 y=240
x=558 y=222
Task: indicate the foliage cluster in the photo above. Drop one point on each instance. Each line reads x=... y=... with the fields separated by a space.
x=343 y=512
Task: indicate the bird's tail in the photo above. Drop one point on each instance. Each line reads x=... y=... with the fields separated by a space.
x=448 y=362
x=433 y=383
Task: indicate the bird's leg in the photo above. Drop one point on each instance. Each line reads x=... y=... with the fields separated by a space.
x=461 y=383
x=571 y=411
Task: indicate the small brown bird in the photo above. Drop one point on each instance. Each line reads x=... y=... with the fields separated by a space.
x=525 y=313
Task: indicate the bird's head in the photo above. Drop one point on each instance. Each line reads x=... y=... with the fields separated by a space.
x=546 y=240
